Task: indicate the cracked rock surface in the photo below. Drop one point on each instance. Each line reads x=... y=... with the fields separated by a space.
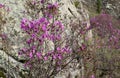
x=10 y=62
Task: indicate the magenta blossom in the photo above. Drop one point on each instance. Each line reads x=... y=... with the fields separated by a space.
x=45 y=58
x=92 y=76
x=1 y=5
x=31 y=55
x=38 y=54
x=52 y=6
x=42 y=1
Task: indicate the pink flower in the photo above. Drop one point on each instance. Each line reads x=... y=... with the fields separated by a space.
x=29 y=41
x=51 y=6
x=43 y=36
x=1 y=5
x=19 y=53
x=52 y=9
x=58 y=37
x=42 y=1
x=58 y=49
x=31 y=55
x=58 y=23
x=24 y=49
x=52 y=37
x=34 y=36
x=54 y=56
x=59 y=56
x=41 y=20
x=45 y=58
x=92 y=76
x=26 y=64
x=38 y=54
x=44 y=28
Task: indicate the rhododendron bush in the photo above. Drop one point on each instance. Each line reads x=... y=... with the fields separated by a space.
x=41 y=60
x=107 y=29
x=106 y=34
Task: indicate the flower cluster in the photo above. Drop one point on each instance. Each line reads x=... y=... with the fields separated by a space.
x=52 y=10
x=107 y=28
x=38 y=32
x=1 y=5
x=42 y=1
x=41 y=30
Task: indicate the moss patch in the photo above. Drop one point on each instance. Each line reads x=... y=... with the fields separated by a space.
x=76 y=3
x=99 y=5
x=2 y=74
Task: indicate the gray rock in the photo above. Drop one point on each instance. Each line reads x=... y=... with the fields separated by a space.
x=16 y=36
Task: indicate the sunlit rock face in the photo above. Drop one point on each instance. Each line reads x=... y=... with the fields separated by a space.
x=109 y=6
x=112 y=7
x=13 y=13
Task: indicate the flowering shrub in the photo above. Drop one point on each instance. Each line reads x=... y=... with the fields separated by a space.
x=40 y=31
x=107 y=28
x=106 y=44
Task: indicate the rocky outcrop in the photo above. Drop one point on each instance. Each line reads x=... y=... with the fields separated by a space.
x=10 y=27
x=9 y=59
x=109 y=6
x=11 y=66
x=112 y=7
